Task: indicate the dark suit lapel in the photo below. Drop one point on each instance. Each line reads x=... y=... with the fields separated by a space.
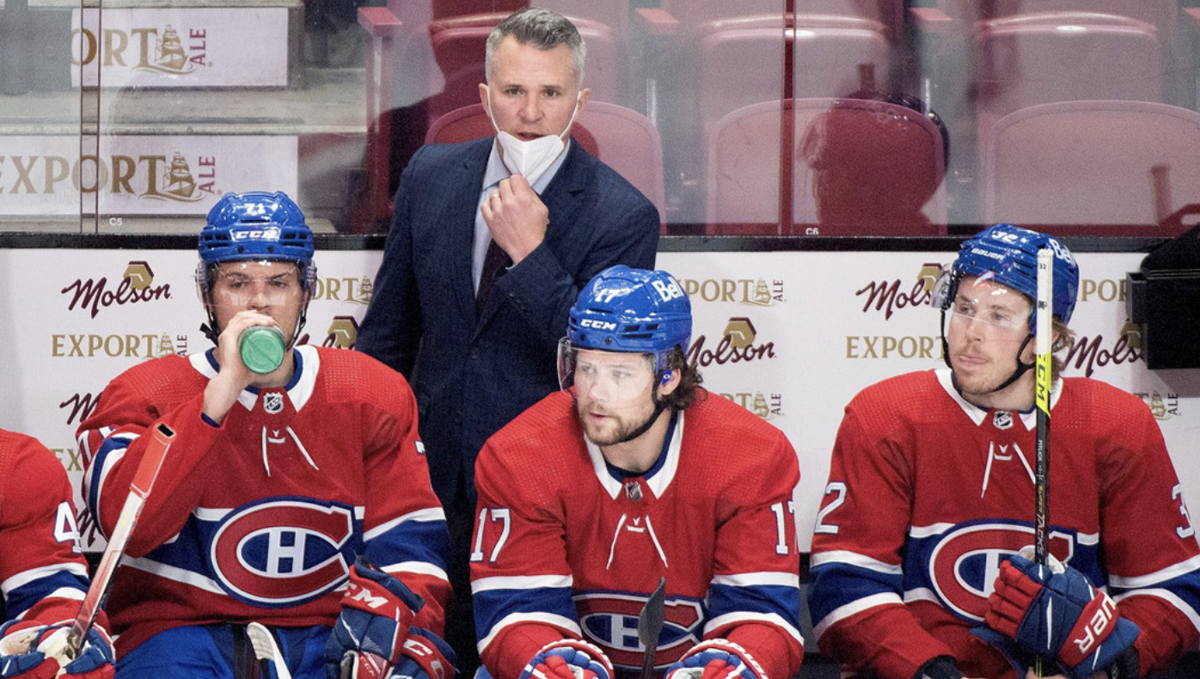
x=564 y=194
x=464 y=200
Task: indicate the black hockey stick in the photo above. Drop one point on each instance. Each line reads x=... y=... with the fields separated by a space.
x=650 y=623
x=1044 y=352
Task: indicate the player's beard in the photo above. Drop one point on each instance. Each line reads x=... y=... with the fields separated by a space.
x=617 y=427
x=979 y=374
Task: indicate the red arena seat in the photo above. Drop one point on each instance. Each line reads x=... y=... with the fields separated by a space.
x=1106 y=167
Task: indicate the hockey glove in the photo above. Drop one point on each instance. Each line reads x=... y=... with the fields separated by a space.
x=1052 y=611
x=369 y=634
x=29 y=650
x=568 y=659
x=425 y=656
x=716 y=659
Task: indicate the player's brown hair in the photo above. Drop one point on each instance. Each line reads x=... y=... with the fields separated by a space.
x=1064 y=342
x=689 y=382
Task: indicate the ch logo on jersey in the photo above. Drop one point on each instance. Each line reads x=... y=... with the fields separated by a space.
x=283 y=551
x=610 y=621
x=966 y=560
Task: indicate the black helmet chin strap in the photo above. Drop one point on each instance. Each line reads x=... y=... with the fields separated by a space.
x=1020 y=370
x=659 y=407
x=210 y=329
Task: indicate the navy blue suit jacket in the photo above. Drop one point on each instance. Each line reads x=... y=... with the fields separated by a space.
x=473 y=374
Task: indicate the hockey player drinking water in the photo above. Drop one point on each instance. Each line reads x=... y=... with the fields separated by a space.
x=931 y=498
x=278 y=480
x=632 y=473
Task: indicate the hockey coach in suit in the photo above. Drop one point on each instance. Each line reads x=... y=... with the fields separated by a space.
x=491 y=242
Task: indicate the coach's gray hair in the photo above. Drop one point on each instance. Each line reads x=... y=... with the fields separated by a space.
x=543 y=29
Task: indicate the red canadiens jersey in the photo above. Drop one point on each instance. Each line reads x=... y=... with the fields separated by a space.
x=927 y=494
x=42 y=572
x=567 y=547
x=261 y=517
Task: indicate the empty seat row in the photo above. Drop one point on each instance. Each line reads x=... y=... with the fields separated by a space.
x=830 y=49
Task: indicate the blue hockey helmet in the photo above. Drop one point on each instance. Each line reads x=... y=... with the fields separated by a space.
x=257 y=226
x=632 y=310
x=1008 y=254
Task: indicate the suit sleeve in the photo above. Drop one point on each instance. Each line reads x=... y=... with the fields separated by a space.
x=754 y=598
x=391 y=328
x=404 y=528
x=856 y=584
x=543 y=290
x=113 y=440
x=1149 y=544
x=520 y=577
x=42 y=572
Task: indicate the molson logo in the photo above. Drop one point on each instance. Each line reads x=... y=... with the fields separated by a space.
x=137 y=285
x=768 y=406
x=147 y=176
x=343 y=333
x=749 y=291
x=159 y=49
x=889 y=296
x=78 y=407
x=736 y=346
x=1089 y=353
x=90 y=537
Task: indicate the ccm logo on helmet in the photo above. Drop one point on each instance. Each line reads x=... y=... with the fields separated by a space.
x=283 y=551
x=599 y=325
x=667 y=290
x=270 y=233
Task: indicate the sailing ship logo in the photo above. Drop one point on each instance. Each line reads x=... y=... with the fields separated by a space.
x=176 y=183
x=169 y=55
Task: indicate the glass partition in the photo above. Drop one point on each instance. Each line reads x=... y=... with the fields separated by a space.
x=813 y=118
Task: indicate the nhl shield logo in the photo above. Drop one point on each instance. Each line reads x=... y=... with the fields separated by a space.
x=273 y=402
x=1002 y=419
x=633 y=491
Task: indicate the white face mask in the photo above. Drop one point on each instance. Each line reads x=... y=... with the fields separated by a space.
x=532 y=158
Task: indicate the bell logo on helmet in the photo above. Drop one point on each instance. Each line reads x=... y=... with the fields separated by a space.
x=1061 y=251
x=668 y=290
x=598 y=325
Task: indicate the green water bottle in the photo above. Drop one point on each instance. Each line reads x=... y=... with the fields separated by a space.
x=261 y=348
